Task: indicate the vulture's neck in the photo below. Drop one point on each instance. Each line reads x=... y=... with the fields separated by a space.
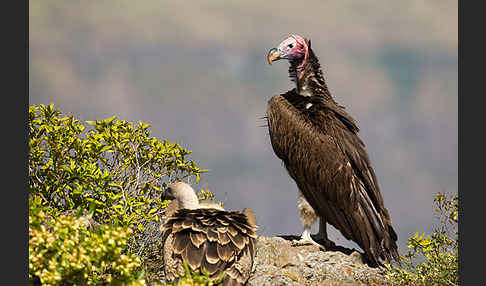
x=308 y=78
x=190 y=203
x=187 y=199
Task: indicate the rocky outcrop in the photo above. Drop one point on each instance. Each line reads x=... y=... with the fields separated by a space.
x=278 y=262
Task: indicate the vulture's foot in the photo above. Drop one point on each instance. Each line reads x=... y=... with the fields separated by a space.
x=304 y=242
x=321 y=236
x=306 y=239
x=328 y=244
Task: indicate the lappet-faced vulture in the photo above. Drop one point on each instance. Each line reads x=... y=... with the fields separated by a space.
x=206 y=236
x=318 y=142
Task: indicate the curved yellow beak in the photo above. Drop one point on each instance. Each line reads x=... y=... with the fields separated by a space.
x=273 y=55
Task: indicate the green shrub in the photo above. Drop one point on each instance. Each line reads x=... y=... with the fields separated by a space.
x=63 y=252
x=195 y=278
x=113 y=169
x=439 y=251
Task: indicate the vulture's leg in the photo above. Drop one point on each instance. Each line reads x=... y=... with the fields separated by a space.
x=307 y=217
x=322 y=234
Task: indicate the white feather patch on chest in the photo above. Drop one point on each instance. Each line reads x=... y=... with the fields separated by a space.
x=308 y=105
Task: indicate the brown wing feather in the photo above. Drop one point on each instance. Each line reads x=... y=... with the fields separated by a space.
x=322 y=152
x=210 y=239
x=194 y=255
x=379 y=219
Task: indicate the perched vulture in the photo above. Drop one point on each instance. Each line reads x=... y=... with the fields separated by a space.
x=207 y=237
x=318 y=142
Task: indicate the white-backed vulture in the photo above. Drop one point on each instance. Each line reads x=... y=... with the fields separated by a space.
x=207 y=237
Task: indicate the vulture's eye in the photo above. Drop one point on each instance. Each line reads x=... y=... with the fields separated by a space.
x=291 y=46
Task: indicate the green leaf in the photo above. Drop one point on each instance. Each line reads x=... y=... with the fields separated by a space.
x=108 y=147
x=110 y=119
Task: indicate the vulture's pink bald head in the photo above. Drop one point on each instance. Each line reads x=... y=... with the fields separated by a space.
x=292 y=48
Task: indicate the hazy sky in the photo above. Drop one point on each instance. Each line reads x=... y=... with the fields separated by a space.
x=197 y=72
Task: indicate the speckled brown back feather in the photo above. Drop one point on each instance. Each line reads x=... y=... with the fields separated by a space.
x=210 y=239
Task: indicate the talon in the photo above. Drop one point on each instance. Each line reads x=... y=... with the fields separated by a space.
x=304 y=241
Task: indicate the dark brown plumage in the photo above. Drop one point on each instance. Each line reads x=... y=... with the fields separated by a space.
x=211 y=239
x=319 y=144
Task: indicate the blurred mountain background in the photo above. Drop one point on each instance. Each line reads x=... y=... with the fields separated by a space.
x=197 y=71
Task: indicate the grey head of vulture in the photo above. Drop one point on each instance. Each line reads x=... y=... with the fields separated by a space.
x=207 y=237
